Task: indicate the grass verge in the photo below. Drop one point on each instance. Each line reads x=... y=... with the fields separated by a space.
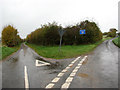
x=67 y=51
x=6 y=51
x=116 y=41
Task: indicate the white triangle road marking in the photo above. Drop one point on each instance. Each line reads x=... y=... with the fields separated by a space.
x=43 y=63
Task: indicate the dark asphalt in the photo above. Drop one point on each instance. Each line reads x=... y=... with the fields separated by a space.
x=99 y=71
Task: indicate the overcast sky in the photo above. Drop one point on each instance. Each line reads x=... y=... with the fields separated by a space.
x=28 y=15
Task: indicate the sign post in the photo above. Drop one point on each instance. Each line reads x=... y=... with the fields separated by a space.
x=61 y=32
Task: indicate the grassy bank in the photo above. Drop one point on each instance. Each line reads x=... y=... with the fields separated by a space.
x=6 y=51
x=116 y=41
x=66 y=51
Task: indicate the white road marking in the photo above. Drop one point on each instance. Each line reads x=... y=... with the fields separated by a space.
x=67 y=67
x=26 y=78
x=55 y=79
x=65 y=70
x=78 y=66
x=72 y=74
x=43 y=63
x=50 y=85
x=21 y=50
x=66 y=85
x=70 y=78
x=62 y=73
x=73 y=62
x=70 y=65
x=74 y=71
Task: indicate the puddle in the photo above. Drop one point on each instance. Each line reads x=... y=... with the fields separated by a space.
x=54 y=72
x=13 y=60
x=57 y=65
x=83 y=75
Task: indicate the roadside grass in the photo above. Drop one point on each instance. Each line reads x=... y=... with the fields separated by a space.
x=116 y=41
x=6 y=51
x=67 y=51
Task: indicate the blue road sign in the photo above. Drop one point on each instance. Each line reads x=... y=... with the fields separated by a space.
x=82 y=31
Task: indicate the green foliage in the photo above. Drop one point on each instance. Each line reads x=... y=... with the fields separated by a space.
x=93 y=33
x=10 y=37
x=112 y=33
x=48 y=34
x=116 y=41
x=119 y=34
x=67 y=51
x=105 y=33
x=6 y=51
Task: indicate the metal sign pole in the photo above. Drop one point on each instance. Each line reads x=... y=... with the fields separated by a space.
x=61 y=32
x=60 y=43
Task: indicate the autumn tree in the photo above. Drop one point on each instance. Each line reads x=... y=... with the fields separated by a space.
x=9 y=36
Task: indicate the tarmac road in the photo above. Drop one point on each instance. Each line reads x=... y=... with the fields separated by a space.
x=96 y=70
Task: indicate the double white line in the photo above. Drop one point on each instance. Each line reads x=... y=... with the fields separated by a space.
x=50 y=85
x=70 y=78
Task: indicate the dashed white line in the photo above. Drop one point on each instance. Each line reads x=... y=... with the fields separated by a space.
x=66 y=85
x=50 y=85
x=70 y=65
x=67 y=67
x=26 y=78
x=65 y=70
x=79 y=64
x=60 y=74
x=72 y=74
x=70 y=78
x=55 y=79
x=21 y=50
x=74 y=71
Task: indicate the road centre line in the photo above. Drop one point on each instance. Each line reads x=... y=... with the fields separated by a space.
x=50 y=85
x=70 y=78
x=26 y=78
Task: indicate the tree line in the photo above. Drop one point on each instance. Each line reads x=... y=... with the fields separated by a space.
x=48 y=34
x=111 y=33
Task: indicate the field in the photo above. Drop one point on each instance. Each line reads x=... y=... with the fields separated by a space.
x=6 y=51
x=68 y=51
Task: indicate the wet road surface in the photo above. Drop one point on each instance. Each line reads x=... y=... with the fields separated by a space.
x=96 y=70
